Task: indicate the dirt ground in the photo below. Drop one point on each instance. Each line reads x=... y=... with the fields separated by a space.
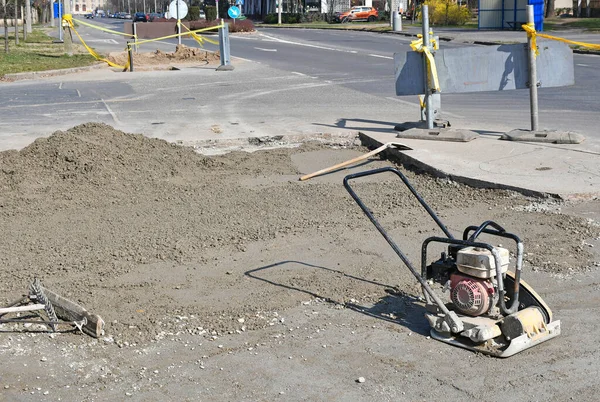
x=159 y=60
x=224 y=278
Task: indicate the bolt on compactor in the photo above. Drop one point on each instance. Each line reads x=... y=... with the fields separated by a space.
x=484 y=307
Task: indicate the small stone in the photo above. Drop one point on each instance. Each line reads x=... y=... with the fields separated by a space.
x=43 y=359
x=361 y=380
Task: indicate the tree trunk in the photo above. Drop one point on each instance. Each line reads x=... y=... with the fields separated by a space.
x=68 y=40
x=16 y=23
x=5 y=17
x=550 y=9
x=588 y=11
x=29 y=16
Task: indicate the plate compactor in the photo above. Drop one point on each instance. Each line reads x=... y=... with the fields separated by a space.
x=485 y=307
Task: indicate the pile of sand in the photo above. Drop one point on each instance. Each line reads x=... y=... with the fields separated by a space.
x=159 y=59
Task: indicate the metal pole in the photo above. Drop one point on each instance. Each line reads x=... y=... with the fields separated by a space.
x=279 y=12
x=533 y=97
x=135 y=36
x=224 y=45
x=59 y=23
x=130 y=55
x=178 y=24
x=426 y=43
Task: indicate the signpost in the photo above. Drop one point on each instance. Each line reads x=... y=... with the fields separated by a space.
x=234 y=12
x=178 y=9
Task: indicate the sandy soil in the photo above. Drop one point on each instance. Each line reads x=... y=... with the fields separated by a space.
x=225 y=278
x=159 y=60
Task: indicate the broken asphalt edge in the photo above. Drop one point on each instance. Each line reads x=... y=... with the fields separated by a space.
x=30 y=75
x=409 y=161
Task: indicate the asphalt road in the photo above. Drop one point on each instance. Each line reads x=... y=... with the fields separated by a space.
x=286 y=81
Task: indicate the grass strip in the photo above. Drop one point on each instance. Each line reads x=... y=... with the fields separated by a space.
x=39 y=53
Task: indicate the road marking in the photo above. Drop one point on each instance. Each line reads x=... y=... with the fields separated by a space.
x=307 y=45
x=265 y=50
x=60 y=86
x=78 y=93
x=582 y=65
x=103 y=41
x=113 y=115
x=381 y=57
x=301 y=74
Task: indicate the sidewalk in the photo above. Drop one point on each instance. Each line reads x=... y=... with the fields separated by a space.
x=496 y=37
x=569 y=172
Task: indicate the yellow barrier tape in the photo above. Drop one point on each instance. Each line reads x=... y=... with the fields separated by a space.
x=68 y=18
x=105 y=29
x=417 y=46
x=530 y=29
x=200 y=39
x=180 y=34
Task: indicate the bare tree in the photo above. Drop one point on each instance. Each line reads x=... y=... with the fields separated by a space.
x=5 y=17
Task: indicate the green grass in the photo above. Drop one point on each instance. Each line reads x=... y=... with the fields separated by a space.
x=557 y=24
x=38 y=53
x=587 y=23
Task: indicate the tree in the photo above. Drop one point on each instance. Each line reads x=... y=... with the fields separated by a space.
x=549 y=6
x=5 y=17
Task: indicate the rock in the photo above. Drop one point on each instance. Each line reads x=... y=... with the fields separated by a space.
x=361 y=380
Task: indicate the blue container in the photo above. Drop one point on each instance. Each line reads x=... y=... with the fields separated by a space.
x=538 y=13
x=56 y=5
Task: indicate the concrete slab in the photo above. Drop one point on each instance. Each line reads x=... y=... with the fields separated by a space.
x=545 y=136
x=439 y=134
x=533 y=169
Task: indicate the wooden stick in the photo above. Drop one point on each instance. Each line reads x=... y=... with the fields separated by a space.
x=355 y=160
x=71 y=311
x=30 y=307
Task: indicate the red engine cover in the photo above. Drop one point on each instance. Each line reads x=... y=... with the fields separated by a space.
x=472 y=296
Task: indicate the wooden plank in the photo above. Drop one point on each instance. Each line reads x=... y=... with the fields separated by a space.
x=18 y=309
x=70 y=311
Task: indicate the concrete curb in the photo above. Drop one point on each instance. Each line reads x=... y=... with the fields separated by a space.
x=32 y=75
x=441 y=38
x=418 y=165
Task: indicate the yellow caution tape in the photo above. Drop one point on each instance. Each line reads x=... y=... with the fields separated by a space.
x=180 y=34
x=530 y=29
x=68 y=19
x=198 y=38
x=531 y=32
x=417 y=46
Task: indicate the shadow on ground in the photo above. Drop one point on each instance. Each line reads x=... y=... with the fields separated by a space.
x=396 y=307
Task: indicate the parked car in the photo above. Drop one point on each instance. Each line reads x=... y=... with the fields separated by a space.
x=202 y=15
x=358 y=13
x=127 y=16
x=137 y=17
x=154 y=16
x=89 y=16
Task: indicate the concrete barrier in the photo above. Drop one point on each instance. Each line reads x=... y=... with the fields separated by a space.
x=157 y=29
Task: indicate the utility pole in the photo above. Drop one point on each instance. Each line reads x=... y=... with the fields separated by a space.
x=68 y=40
